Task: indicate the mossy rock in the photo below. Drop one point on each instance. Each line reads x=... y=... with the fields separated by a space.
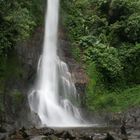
x=52 y=137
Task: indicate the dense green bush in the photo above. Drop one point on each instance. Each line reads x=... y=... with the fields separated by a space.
x=107 y=33
x=114 y=101
x=129 y=56
x=132 y=28
x=17 y=21
x=107 y=61
x=99 y=28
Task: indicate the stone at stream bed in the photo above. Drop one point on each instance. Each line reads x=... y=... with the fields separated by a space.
x=100 y=133
x=47 y=131
x=66 y=135
x=23 y=133
x=38 y=138
x=109 y=137
x=3 y=136
x=16 y=136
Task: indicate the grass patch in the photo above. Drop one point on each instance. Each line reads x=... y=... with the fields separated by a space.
x=114 y=101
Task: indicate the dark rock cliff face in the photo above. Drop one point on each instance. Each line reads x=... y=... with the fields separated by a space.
x=20 y=76
x=29 y=53
x=78 y=73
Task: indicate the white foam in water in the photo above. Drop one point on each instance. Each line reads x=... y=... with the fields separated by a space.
x=55 y=93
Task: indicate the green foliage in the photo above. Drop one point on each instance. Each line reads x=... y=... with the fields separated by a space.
x=132 y=28
x=76 y=52
x=100 y=30
x=105 y=58
x=129 y=55
x=87 y=41
x=107 y=62
x=106 y=101
x=22 y=23
x=17 y=21
x=95 y=82
x=107 y=32
x=114 y=101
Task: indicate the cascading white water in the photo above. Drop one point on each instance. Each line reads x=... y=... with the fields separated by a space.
x=55 y=93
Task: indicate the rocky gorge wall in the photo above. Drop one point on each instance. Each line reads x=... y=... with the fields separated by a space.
x=27 y=55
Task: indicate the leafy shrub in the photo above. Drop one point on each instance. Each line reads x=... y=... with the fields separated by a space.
x=129 y=56
x=107 y=61
x=132 y=28
x=23 y=23
x=106 y=102
x=100 y=30
x=107 y=34
x=87 y=41
x=17 y=21
x=76 y=52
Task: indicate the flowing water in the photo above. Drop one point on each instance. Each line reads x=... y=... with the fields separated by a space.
x=54 y=95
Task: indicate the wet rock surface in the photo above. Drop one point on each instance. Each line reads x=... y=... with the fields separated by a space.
x=117 y=126
x=29 y=54
x=85 y=133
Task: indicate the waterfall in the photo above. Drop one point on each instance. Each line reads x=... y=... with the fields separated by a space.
x=54 y=94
